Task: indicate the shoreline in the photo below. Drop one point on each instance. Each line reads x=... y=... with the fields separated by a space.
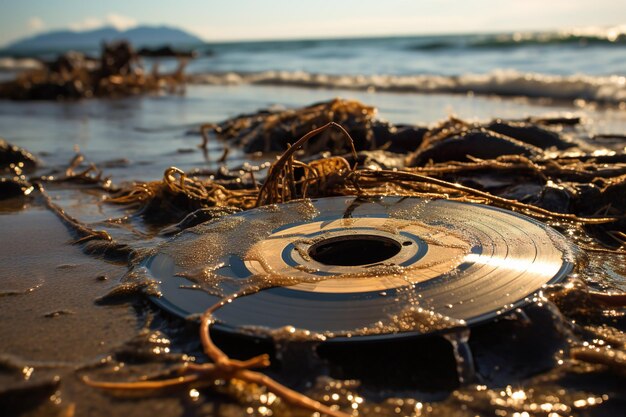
x=606 y=91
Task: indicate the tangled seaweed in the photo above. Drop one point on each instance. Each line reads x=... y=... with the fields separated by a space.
x=289 y=179
x=268 y=131
x=177 y=195
x=223 y=367
x=118 y=72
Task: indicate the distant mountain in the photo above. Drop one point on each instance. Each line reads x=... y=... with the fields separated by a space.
x=89 y=40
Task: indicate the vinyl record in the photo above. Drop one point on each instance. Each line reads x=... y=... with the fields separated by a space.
x=348 y=267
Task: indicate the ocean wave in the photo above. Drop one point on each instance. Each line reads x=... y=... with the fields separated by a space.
x=547 y=39
x=590 y=36
x=601 y=89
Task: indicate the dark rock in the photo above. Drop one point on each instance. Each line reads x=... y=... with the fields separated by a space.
x=615 y=195
x=525 y=193
x=166 y=51
x=556 y=198
x=531 y=134
x=587 y=197
x=477 y=143
x=10 y=188
x=399 y=139
x=555 y=121
x=18 y=398
x=13 y=156
x=501 y=348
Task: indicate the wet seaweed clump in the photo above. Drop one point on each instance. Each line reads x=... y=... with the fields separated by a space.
x=117 y=72
x=15 y=164
x=178 y=195
x=543 y=167
x=16 y=160
x=273 y=130
x=10 y=188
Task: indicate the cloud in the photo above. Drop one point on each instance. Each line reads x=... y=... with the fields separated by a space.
x=35 y=23
x=87 y=24
x=112 y=19
x=120 y=22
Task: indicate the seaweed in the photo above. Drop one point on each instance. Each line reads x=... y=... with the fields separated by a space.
x=118 y=72
x=272 y=130
x=177 y=195
x=222 y=368
x=552 y=186
x=16 y=160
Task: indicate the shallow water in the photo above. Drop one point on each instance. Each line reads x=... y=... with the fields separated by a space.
x=53 y=327
x=137 y=138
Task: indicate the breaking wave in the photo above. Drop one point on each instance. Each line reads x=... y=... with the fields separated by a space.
x=584 y=37
x=602 y=89
x=18 y=64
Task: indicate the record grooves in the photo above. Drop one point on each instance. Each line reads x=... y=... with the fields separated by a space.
x=345 y=263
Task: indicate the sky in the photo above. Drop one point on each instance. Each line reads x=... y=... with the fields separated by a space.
x=296 y=19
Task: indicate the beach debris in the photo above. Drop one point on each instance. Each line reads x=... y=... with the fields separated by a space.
x=74 y=75
x=71 y=61
x=456 y=140
x=222 y=368
x=273 y=130
x=454 y=159
x=613 y=359
x=10 y=187
x=529 y=133
x=16 y=160
x=329 y=176
x=166 y=51
x=178 y=195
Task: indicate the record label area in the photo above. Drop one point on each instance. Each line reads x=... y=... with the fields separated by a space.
x=350 y=250
x=334 y=265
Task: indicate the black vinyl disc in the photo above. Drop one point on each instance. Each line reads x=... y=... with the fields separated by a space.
x=349 y=268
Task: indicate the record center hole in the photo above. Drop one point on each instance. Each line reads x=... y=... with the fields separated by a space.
x=354 y=250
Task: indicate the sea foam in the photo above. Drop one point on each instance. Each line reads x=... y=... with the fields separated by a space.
x=19 y=64
x=602 y=89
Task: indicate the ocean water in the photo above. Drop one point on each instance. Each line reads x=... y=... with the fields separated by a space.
x=563 y=66
x=583 y=64
x=451 y=55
